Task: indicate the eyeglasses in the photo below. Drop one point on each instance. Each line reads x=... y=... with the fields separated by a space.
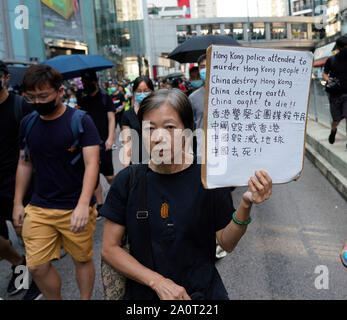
x=41 y=98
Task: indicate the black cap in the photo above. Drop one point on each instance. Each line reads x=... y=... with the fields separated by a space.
x=3 y=67
x=89 y=75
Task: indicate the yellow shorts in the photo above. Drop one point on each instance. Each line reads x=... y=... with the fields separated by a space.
x=45 y=229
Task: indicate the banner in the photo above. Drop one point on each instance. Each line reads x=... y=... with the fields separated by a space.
x=256 y=103
x=62 y=19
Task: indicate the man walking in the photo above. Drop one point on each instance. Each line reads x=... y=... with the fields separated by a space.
x=62 y=207
x=336 y=69
x=99 y=105
x=12 y=109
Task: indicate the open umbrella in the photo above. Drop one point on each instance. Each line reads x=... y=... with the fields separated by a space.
x=192 y=49
x=174 y=75
x=72 y=66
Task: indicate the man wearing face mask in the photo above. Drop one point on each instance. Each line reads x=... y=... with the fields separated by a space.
x=12 y=109
x=62 y=207
x=336 y=68
x=99 y=105
x=197 y=98
x=195 y=80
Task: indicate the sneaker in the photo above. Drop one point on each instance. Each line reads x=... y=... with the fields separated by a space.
x=33 y=292
x=220 y=253
x=12 y=289
x=332 y=136
x=98 y=208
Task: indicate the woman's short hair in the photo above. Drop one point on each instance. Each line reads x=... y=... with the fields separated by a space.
x=173 y=97
x=147 y=80
x=39 y=76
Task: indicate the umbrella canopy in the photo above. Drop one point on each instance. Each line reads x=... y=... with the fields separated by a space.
x=174 y=75
x=72 y=66
x=192 y=49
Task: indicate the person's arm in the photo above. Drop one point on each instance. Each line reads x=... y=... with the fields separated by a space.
x=326 y=71
x=80 y=215
x=23 y=177
x=259 y=190
x=326 y=77
x=127 y=145
x=111 y=130
x=126 y=264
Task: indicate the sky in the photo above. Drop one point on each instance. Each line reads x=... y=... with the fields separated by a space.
x=231 y=8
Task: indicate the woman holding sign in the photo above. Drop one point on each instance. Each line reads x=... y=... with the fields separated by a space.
x=170 y=219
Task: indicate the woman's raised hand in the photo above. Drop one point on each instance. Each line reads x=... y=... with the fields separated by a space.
x=260 y=188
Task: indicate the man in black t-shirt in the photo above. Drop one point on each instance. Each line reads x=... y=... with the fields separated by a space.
x=99 y=105
x=119 y=102
x=62 y=207
x=336 y=68
x=12 y=109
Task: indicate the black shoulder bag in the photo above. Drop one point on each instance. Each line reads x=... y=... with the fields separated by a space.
x=114 y=283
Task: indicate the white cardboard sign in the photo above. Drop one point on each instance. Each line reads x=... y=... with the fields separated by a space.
x=256 y=106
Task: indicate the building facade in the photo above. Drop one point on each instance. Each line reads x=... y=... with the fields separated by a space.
x=36 y=30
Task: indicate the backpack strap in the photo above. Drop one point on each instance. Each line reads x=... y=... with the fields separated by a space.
x=18 y=108
x=77 y=131
x=142 y=248
x=29 y=123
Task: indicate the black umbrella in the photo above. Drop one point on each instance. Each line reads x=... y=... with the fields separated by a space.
x=174 y=75
x=192 y=49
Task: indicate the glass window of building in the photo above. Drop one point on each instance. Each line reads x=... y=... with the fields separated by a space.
x=299 y=30
x=234 y=30
x=185 y=32
x=120 y=35
x=278 y=30
x=317 y=33
x=206 y=29
x=257 y=31
x=129 y=10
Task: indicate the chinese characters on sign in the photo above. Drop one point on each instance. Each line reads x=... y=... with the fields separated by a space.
x=255 y=114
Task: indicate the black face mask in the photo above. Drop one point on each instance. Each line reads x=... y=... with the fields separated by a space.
x=44 y=109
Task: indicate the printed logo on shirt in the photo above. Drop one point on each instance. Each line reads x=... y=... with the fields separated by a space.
x=164 y=212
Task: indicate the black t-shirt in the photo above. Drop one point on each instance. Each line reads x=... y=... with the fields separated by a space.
x=98 y=111
x=58 y=183
x=9 y=143
x=118 y=100
x=336 y=67
x=131 y=120
x=184 y=253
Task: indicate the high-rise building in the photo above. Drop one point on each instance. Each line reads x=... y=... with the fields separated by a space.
x=252 y=8
x=39 y=30
x=306 y=7
x=203 y=8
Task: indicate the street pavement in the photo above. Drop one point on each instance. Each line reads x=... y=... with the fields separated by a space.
x=294 y=237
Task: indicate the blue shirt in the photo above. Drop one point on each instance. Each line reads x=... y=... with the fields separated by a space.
x=58 y=183
x=184 y=244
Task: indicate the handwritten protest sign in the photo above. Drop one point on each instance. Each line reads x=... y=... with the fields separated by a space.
x=255 y=117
